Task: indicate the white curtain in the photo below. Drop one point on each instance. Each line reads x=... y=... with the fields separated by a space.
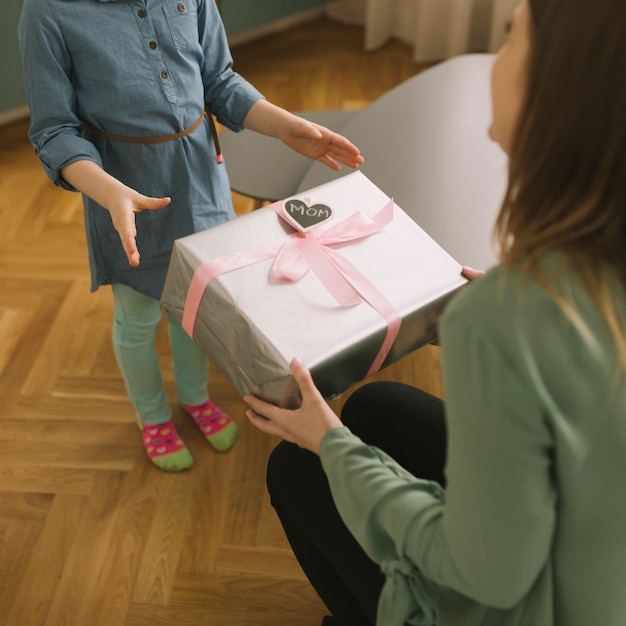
x=437 y=29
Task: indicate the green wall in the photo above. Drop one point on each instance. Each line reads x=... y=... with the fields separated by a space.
x=12 y=87
x=238 y=15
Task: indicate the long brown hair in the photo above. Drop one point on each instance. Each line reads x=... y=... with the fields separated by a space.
x=567 y=166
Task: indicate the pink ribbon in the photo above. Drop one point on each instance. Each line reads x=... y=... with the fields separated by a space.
x=297 y=253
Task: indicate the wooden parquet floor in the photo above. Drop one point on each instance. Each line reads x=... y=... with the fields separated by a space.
x=91 y=534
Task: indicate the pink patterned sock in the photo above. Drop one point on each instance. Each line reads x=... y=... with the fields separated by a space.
x=164 y=446
x=218 y=428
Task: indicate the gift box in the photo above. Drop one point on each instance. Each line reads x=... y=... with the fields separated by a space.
x=339 y=276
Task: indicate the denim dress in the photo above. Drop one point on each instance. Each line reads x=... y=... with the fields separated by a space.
x=140 y=69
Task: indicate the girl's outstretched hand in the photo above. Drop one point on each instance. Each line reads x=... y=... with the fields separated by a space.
x=320 y=143
x=305 y=426
x=120 y=201
x=307 y=138
x=122 y=209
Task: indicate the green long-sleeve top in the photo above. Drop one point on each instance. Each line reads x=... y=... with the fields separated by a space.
x=531 y=528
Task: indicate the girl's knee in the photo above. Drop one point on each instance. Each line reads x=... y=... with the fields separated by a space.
x=136 y=317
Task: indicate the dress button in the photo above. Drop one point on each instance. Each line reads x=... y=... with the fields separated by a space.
x=153 y=45
x=164 y=74
x=142 y=13
x=181 y=7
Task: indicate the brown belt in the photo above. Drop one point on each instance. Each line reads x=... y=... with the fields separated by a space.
x=163 y=138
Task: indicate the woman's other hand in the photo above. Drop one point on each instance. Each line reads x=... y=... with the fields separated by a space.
x=305 y=426
x=470 y=273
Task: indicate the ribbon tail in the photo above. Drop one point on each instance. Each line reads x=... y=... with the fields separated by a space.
x=370 y=294
x=385 y=215
x=328 y=273
x=289 y=263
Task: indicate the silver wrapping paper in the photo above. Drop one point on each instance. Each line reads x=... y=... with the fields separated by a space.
x=251 y=327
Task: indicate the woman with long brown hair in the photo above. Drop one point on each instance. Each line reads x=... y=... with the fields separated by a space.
x=505 y=506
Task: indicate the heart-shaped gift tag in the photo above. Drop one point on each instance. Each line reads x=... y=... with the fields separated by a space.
x=306 y=216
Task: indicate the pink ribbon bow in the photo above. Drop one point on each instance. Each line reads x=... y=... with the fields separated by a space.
x=297 y=253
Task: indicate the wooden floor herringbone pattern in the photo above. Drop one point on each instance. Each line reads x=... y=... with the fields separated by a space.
x=90 y=533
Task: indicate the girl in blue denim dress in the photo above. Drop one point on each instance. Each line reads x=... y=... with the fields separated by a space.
x=117 y=91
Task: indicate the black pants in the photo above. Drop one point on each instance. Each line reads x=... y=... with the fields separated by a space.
x=408 y=424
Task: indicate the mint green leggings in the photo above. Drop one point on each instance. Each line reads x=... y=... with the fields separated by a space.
x=136 y=319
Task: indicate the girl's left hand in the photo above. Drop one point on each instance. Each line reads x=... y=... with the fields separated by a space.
x=320 y=143
x=305 y=426
x=307 y=138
